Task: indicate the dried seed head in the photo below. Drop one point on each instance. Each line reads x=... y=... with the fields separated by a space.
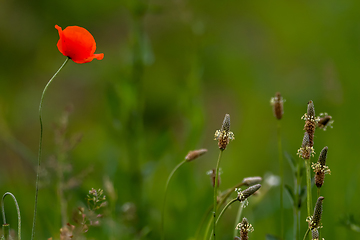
x=306 y=151
x=243 y=195
x=316 y=218
x=192 y=155
x=325 y=121
x=278 y=105
x=320 y=168
x=245 y=227
x=315 y=234
x=250 y=181
x=224 y=135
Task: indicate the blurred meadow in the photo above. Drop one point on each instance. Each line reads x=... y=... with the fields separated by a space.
x=171 y=71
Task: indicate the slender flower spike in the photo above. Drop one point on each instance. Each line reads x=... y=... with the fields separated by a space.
x=245 y=227
x=278 y=105
x=314 y=221
x=306 y=151
x=192 y=155
x=320 y=168
x=77 y=44
x=224 y=135
x=250 y=181
x=310 y=122
x=315 y=234
x=243 y=195
x=325 y=121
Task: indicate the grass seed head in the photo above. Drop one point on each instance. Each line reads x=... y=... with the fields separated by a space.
x=192 y=155
x=278 y=105
x=224 y=135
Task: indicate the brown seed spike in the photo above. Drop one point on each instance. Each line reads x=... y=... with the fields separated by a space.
x=319 y=178
x=224 y=135
x=320 y=168
x=248 y=192
x=192 y=155
x=310 y=122
x=315 y=221
x=226 y=123
x=278 y=106
x=311 y=110
x=245 y=227
x=322 y=157
x=315 y=234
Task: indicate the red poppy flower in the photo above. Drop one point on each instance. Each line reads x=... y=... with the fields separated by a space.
x=77 y=44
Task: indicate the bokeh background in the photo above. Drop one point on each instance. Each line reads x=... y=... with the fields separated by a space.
x=172 y=70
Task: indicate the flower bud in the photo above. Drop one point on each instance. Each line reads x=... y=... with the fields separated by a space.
x=192 y=155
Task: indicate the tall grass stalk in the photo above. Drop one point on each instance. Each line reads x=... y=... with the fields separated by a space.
x=165 y=194
x=40 y=147
x=308 y=186
x=281 y=165
x=216 y=185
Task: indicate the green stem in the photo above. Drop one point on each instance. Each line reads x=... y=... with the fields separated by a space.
x=297 y=200
x=308 y=186
x=224 y=209
x=6 y=231
x=238 y=216
x=307 y=232
x=281 y=164
x=215 y=190
x=17 y=209
x=163 y=206
x=40 y=145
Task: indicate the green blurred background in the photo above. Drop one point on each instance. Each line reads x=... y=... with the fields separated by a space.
x=172 y=70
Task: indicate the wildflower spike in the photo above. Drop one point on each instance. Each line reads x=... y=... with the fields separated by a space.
x=226 y=123
x=278 y=105
x=245 y=227
x=320 y=168
x=306 y=151
x=224 y=135
x=192 y=155
x=316 y=218
x=243 y=195
x=310 y=122
x=250 y=181
x=315 y=234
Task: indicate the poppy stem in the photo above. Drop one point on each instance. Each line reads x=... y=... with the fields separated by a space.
x=166 y=190
x=40 y=144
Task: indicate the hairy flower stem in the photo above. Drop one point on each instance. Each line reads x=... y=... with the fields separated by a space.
x=40 y=145
x=281 y=165
x=18 y=213
x=165 y=194
x=308 y=186
x=238 y=217
x=215 y=190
